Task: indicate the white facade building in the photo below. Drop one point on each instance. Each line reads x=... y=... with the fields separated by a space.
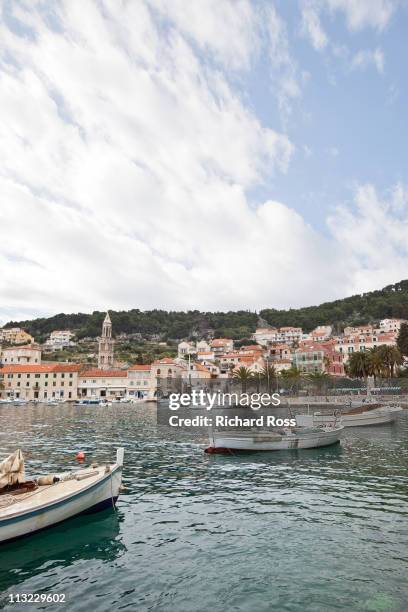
x=59 y=339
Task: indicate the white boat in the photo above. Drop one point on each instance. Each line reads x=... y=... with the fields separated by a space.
x=27 y=507
x=365 y=414
x=285 y=439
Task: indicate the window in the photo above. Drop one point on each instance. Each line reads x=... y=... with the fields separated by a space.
x=37 y=376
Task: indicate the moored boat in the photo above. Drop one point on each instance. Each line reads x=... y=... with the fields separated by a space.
x=285 y=439
x=361 y=415
x=30 y=506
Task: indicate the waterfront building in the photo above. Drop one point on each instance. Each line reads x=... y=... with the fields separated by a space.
x=40 y=381
x=105 y=345
x=30 y=353
x=99 y=383
x=59 y=339
x=363 y=342
x=139 y=382
x=309 y=358
x=15 y=335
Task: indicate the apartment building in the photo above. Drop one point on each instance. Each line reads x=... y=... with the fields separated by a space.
x=97 y=383
x=15 y=335
x=139 y=382
x=30 y=353
x=59 y=339
x=39 y=381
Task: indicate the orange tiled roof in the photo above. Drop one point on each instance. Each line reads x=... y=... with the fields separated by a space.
x=39 y=368
x=141 y=367
x=97 y=373
x=26 y=347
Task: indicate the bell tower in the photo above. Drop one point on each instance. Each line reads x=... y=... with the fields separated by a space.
x=105 y=349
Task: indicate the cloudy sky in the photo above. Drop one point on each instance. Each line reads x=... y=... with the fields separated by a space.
x=211 y=154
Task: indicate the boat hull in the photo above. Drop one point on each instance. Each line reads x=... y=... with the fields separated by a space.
x=378 y=416
x=367 y=418
x=227 y=441
x=91 y=498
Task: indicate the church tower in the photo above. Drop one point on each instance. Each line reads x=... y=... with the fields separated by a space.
x=105 y=352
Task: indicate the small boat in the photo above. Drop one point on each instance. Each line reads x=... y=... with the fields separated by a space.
x=363 y=414
x=88 y=402
x=284 y=439
x=30 y=506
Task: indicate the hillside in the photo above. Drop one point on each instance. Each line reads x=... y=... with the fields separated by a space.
x=392 y=301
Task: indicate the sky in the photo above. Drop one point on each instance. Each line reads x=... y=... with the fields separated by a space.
x=212 y=154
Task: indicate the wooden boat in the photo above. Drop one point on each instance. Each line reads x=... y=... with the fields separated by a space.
x=361 y=415
x=30 y=506
x=285 y=439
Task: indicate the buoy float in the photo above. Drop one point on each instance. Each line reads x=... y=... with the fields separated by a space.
x=80 y=456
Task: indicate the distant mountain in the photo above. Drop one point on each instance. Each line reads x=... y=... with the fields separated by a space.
x=392 y=301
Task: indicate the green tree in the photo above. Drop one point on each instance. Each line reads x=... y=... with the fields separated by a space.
x=402 y=340
x=268 y=376
x=391 y=358
x=244 y=376
x=291 y=378
x=359 y=365
x=318 y=380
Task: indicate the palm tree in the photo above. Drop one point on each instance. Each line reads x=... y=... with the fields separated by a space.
x=390 y=357
x=376 y=363
x=292 y=377
x=244 y=375
x=319 y=380
x=359 y=365
x=268 y=375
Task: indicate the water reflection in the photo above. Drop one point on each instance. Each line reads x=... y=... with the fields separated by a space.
x=79 y=539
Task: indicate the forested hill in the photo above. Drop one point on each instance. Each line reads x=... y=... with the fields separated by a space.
x=392 y=301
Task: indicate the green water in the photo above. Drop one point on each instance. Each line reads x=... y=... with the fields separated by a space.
x=323 y=529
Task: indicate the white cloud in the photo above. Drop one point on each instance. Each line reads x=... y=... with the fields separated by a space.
x=312 y=26
x=286 y=81
x=359 y=14
x=365 y=58
x=374 y=236
x=364 y=13
x=126 y=160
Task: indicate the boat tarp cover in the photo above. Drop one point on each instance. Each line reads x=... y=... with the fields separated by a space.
x=12 y=469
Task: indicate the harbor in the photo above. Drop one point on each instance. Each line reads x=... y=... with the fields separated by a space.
x=293 y=530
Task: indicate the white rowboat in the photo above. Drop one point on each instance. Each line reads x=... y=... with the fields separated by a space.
x=84 y=491
x=256 y=440
x=356 y=417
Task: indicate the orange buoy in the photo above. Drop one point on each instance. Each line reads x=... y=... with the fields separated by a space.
x=80 y=456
